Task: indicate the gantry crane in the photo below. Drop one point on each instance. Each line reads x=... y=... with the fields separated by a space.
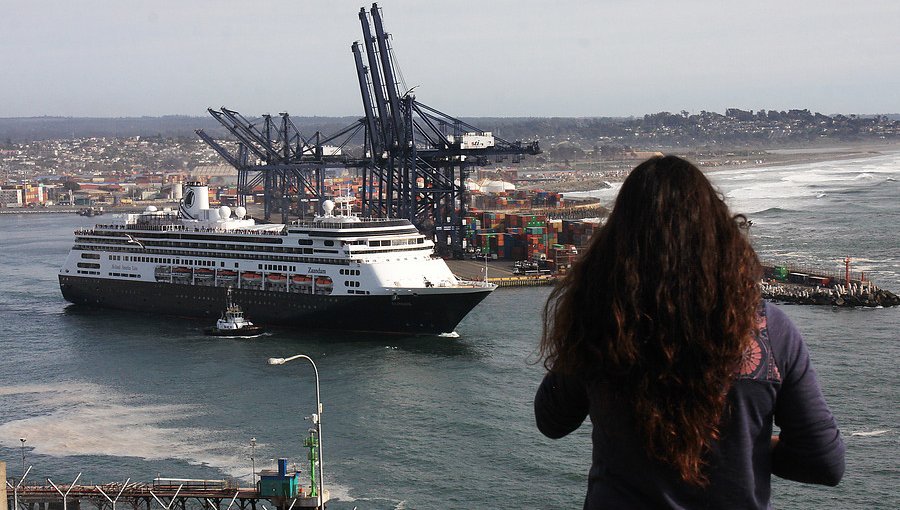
x=419 y=157
x=415 y=158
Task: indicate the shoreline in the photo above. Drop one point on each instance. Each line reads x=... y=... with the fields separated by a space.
x=777 y=158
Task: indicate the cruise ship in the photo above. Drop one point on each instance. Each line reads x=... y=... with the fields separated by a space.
x=337 y=271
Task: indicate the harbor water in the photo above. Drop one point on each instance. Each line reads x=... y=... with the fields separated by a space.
x=416 y=422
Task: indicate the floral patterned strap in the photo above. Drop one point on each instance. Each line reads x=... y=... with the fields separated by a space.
x=757 y=361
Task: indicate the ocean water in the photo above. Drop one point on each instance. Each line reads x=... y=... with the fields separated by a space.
x=415 y=422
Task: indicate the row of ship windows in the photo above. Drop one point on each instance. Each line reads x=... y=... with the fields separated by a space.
x=254 y=236
x=278 y=267
x=309 y=242
x=416 y=249
x=251 y=301
x=125 y=275
x=206 y=246
x=363 y=242
x=307 y=260
x=90 y=265
x=304 y=251
x=233 y=247
x=163 y=260
x=397 y=242
x=88 y=272
x=351 y=283
x=211 y=263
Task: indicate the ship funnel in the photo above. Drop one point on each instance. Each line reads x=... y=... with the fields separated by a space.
x=195 y=202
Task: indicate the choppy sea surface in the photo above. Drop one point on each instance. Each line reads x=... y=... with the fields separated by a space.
x=416 y=422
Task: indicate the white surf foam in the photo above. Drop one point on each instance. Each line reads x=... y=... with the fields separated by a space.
x=84 y=419
x=605 y=194
x=870 y=433
x=796 y=186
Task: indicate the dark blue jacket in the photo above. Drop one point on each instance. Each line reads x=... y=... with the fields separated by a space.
x=776 y=382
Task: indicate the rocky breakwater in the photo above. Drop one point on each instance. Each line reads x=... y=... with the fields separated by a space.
x=854 y=294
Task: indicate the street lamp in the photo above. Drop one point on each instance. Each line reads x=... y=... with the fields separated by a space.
x=253 y=458
x=316 y=418
x=23 y=453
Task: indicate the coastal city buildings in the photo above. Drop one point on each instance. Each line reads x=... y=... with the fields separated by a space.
x=39 y=170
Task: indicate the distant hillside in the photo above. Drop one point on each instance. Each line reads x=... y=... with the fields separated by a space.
x=734 y=129
x=18 y=130
x=27 y=129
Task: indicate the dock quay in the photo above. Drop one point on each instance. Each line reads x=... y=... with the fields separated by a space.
x=524 y=281
x=498 y=272
x=160 y=494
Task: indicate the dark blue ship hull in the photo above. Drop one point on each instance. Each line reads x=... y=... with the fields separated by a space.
x=418 y=313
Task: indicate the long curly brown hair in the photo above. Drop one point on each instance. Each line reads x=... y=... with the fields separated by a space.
x=661 y=305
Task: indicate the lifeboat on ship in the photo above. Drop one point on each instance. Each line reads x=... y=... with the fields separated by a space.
x=324 y=285
x=276 y=281
x=251 y=280
x=301 y=283
x=182 y=274
x=163 y=273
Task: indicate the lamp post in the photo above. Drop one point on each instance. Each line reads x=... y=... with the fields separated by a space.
x=23 y=453
x=316 y=418
x=253 y=458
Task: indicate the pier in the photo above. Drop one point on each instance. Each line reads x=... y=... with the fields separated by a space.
x=161 y=494
x=523 y=281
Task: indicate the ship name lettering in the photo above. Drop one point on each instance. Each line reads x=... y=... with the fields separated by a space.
x=315 y=270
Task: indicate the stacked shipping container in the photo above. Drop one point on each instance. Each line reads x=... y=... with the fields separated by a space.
x=508 y=236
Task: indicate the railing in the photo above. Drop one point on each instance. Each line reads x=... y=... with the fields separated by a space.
x=363 y=223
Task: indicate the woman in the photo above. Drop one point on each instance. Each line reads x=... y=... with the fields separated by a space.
x=659 y=334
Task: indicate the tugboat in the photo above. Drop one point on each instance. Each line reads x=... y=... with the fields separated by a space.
x=233 y=324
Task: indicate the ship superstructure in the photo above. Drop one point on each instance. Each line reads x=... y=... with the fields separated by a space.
x=333 y=272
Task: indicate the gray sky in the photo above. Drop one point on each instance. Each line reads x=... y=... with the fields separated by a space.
x=491 y=58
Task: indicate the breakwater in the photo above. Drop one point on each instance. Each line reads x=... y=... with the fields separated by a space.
x=851 y=295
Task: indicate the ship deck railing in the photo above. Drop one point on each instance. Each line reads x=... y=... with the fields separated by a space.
x=363 y=223
x=473 y=284
x=181 y=228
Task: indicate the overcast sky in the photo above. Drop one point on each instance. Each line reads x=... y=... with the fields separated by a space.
x=506 y=58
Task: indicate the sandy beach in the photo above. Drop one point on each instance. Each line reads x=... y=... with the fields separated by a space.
x=587 y=177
